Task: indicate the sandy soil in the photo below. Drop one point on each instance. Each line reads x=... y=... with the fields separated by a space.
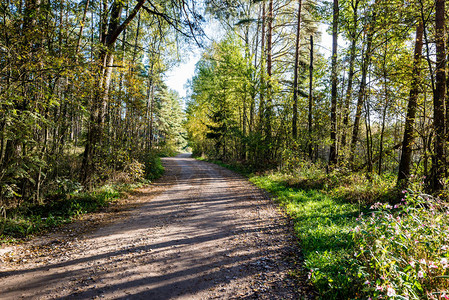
x=201 y=232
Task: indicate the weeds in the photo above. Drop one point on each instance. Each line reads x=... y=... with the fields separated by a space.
x=32 y=219
x=405 y=248
x=390 y=251
x=323 y=225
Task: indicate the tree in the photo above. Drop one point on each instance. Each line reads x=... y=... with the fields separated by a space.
x=99 y=103
x=409 y=132
x=438 y=159
x=334 y=79
x=295 y=76
x=310 y=98
x=352 y=56
x=370 y=27
x=66 y=83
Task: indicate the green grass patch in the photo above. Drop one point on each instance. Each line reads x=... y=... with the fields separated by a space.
x=323 y=225
x=359 y=239
x=26 y=220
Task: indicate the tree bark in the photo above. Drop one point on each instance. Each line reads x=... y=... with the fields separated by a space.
x=310 y=114
x=350 y=76
x=409 y=136
x=262 y=71
x=438 y=159
x=295 y=78
x=269 y=104
x=334 y=79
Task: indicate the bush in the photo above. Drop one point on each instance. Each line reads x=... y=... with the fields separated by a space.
x=405 y=248
x=153 y=166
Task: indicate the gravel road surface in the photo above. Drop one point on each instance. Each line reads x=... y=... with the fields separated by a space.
x=200 y=232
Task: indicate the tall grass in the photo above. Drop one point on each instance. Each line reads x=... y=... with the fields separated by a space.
x=359 y=239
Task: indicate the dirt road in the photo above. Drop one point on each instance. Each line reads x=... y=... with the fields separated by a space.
x=201 y=232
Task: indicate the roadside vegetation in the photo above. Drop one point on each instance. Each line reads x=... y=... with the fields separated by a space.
x=84 y=110
x=357 y=135
x=68 y=199
x=354 y=135
x=361 y=237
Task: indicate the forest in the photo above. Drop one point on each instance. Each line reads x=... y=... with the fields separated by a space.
x=267 y=95
x=360 y=129
x=352 y=140
x=82 y=99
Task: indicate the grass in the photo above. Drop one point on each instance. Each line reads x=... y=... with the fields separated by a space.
x=359 y=239
x=26 y=220
x=323 y=224
x=325 y=209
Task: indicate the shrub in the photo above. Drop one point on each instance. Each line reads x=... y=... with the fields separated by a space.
x=405 y=248
x=153 y=166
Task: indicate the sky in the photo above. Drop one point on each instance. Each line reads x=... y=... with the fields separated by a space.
x=177 y=78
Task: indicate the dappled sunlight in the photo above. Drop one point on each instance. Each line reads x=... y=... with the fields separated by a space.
x=203 y=236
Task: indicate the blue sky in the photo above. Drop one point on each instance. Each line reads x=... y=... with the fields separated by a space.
x=178 y=77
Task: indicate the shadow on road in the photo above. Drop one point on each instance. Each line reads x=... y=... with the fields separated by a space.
x=206 y=236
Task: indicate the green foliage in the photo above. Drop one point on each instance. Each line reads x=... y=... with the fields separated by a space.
x=323 y=225
x=339 y=183
x=153 y=166
x=221 y=92
x=387 y=252
x=324 y=208
x=67 y=122
x=405 y=249
x=32 y=219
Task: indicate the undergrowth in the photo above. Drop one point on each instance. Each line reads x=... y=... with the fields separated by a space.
x=359 y=239
x=68 y=200
x=153 y=166
x=26 y=220
x=323 y=225
x=404 y=248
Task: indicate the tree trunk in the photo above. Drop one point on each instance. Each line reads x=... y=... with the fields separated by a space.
x=369 y=139
x=385 y=108
x=295 y=78
x=350 y=75
x=310 y=114
x=362 y=89
x=262 y=72
x=333 y=147
x=438 y=159
x=269 y=104
x=106 y=58
x=80 y=35
x=409 y=136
